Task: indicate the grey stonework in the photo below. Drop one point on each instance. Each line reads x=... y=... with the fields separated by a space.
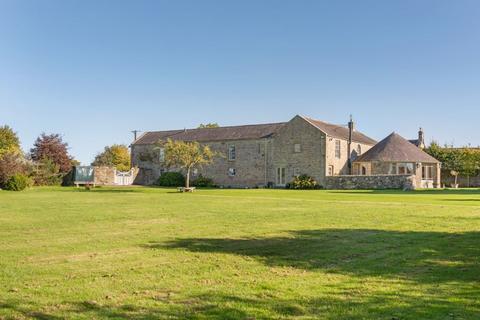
x=404 y=182
x=258 y=160
x=300 y=146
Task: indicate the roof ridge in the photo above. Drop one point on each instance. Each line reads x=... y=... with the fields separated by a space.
x=221 y=127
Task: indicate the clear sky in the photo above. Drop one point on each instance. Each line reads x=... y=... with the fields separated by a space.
x=95 y=70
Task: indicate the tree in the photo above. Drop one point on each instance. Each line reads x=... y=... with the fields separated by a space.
x=9 y=142
x=208 y=125
x=53 y=148
x=471 y=163
x=116 y=155
x=11 y=163
x=186 y=155
x=456 y=161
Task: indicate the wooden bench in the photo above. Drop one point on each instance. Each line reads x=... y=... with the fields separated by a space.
x=183 y=189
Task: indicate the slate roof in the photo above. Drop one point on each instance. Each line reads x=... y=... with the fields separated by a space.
x=341 y=132
x=254 y=131
x=395 y=148
x=415 y=142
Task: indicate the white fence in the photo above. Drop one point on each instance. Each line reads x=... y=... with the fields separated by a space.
x=124 y=178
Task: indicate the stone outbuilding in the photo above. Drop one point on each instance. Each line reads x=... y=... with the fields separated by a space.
x=395 y=155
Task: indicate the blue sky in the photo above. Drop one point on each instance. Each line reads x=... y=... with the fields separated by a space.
x=94 y=70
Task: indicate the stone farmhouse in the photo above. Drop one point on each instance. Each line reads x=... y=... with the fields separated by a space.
x=273 y=154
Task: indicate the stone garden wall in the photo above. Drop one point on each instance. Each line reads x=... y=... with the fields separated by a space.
x=404 y=182
x=105 y=176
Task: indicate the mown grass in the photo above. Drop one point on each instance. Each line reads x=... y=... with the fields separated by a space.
x=147 y=253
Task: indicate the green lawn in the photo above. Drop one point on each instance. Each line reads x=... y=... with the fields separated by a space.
x=147 y=253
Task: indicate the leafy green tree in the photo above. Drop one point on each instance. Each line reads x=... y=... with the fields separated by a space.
x=457 y=161
x=9 y=142
x=208 y=125
x=116 y=155
x=186 y=155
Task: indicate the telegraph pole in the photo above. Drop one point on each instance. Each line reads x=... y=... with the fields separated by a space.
x=135 y=134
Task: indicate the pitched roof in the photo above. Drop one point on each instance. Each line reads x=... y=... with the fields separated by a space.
x=254 y=131
x=341 y=132
x=415 y=142
x=398 y=149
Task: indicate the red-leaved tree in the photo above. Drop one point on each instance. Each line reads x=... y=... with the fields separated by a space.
x=51 y=147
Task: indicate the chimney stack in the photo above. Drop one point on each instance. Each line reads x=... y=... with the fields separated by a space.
x=351 y=129
x=421 y=138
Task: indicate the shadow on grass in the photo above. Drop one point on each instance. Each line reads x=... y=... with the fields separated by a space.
x=266 y=305
x=426 y=257
x=474 y=191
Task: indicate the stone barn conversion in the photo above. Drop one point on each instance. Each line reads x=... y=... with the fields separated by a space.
x=273 y=154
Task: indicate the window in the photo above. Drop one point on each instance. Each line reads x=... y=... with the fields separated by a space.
x=296 y=172
x=195 y=172
x=392 y=169
x=281 y=176
x=232 y=155
x=297 y=147
x=232 y=172
x=359 y=150
x=404 y=168
x=330 y=170
x=427 y=172
x=338 y=146
x=364 y=171
x=161 y=155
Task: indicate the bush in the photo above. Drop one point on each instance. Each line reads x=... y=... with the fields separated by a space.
x=203 y=182
x=303 y=182
x=10 y=165
x=171 y=179
x=18 y=182
x=47 y=173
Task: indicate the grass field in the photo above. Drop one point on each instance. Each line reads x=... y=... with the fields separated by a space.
x=147 y=253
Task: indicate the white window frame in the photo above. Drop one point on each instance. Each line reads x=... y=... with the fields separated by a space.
x=232 y=153
x=338 y=149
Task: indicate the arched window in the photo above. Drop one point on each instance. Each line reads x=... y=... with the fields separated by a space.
x=364 y=171
x=359 y=150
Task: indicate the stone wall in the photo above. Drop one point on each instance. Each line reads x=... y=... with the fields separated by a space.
x=251 y=163
x=309 y=160
x=257 y=160
x=104 y=176
x=340 y=165
x=404 y=182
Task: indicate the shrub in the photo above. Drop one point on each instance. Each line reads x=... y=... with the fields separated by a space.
x=171 y=179
x=18 y=182
x=303 y=182
x=203 y=182
x=11 y=164
x=47 y=173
